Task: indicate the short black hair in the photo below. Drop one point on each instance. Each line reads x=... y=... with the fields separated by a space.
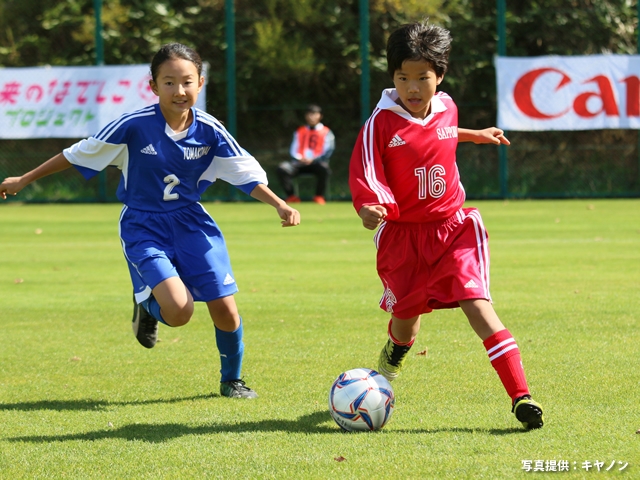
x=419 y=41
x=175 y=50
x=313 y=108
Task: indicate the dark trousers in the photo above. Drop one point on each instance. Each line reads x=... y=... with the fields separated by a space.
x=289 y=170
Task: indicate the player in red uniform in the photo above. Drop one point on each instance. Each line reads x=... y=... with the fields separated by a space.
x=432 y=253
x=311 y=148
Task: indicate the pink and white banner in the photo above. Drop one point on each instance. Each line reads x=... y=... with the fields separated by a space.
x=70 y=102
x=568 y=93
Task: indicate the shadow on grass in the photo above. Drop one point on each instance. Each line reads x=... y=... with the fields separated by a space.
x=157 y=433
x=92 y=405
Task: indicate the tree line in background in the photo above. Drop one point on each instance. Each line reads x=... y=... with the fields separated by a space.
x=293 y=52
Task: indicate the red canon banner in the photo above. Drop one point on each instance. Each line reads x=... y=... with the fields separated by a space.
x=568 y=93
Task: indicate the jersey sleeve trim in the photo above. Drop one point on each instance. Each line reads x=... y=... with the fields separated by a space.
x=368 y=159
x=237 y=171
x=219 y=128
x=91 y=156
x=248 y=187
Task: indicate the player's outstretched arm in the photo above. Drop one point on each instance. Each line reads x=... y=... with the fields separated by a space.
x=290 y=216
x=12 y=185
x=487 y=135
x=372 y=215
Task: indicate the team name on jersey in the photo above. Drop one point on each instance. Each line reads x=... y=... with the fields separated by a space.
x=447 y=132
x=194 y=153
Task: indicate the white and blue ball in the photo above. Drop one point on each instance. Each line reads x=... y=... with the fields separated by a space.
x=361 y=399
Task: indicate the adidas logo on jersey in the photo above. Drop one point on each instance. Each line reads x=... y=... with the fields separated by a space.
x=396 y=141
x=471 y=284
x=149 y=150
x=228 y=280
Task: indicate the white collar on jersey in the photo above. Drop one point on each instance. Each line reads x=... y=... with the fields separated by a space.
x=175 y=136
x=388 y=102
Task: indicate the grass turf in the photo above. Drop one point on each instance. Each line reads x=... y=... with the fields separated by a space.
x=79 y=398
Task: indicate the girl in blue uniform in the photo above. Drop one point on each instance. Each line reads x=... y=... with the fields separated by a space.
x=169 y=153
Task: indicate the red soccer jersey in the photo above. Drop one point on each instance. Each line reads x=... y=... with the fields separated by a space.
x=408 y=165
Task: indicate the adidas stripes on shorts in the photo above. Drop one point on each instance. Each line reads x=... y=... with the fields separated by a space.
x=428 y=266
x=183 y=243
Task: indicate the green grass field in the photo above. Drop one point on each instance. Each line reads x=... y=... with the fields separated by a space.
x=79 y=398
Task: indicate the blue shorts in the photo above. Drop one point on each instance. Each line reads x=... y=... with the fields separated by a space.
x=183 y=243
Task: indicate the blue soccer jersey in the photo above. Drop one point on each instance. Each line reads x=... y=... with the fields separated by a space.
x=162 y=171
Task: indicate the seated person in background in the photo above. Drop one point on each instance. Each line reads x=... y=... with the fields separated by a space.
x=311 y=149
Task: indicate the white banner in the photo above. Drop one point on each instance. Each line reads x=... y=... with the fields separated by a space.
x=71 y=102
x=568 y=93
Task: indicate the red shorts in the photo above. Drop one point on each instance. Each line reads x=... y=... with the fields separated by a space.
x=427 y=266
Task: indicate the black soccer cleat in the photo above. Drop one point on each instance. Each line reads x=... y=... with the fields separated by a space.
x=528 y=412
x=236 y=389
x=145 y=327
x=392 y=359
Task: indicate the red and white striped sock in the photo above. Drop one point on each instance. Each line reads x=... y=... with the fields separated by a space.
x=505 y=357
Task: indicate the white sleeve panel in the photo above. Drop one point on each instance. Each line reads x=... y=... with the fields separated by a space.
x=96 y=154
x=329 y=144
x=235 y=170
x=295 y=146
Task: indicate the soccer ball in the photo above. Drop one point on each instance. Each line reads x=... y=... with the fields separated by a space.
x=361 y=399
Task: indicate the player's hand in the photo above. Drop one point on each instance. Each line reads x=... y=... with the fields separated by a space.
x=492 y=135
x=10 y=186
x=290 y=216
x=372 y=216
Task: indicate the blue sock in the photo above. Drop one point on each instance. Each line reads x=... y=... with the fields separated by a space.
x=231 y=350
x=152 y=306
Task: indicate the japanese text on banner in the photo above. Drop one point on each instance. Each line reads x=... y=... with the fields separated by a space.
x=70 y=102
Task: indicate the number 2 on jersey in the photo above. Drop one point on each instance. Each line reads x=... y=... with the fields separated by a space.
x=171 y=181
x=433 y=181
